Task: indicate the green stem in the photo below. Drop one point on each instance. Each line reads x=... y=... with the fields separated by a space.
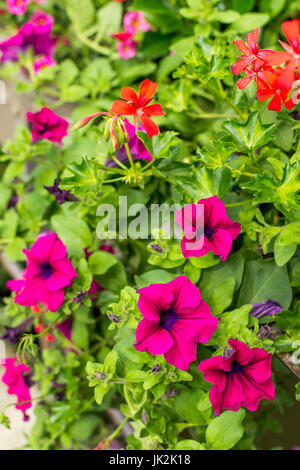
x=49 y=327
x=117 y=431
x=130 y=157
x=128 y=399
x=221 y=92
x=122 y=178
x=236 y=204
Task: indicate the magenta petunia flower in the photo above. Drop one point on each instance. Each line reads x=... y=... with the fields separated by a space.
x=206 y=228
x=137 y=148
x=134 y=21
x=241 y=378
x=17 y=378
x=175 y=320
x=43 y=62
x=47 y=273
x=17 y=7
x=47 y=125
x=35 y=33
x=65 y=327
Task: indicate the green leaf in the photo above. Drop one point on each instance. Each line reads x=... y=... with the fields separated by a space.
x=101 y=261
x=216 y=157
x=82 y=13
x=264 y=280
x=74 y=233
x=205 y=183
x=84 y=427
x=205 y=261
x=153 y=276
x=284 y=194
x=68 y=71
x=100 y=391
x=85 y=177
x=251 y=134
x=226 y=430
x=189 y=444
x=160 y=146
x=248 y=22
x=109 y=19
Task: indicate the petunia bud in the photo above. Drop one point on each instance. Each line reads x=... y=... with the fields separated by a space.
x=269 y=307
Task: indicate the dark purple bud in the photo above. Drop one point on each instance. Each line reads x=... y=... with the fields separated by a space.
x=79 y=297
x=28 y=379
x=157 y=248
x=296 y=115
x=171 y=393
x=114 y=318
x=13 y=335
x=269 y=307
x=61 y=195
x=156 y=369
x=263 y=332
x=12 y=202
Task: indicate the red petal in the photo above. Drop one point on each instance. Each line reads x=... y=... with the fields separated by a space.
x=128 y=94
x=239 y=66
x=252 y=40
x=287 y=77
x=243 y=82
x=153 y=110
x=291 y=30
x=146 y=91
x=275 y=103
x=120 y=107
x=242 y=47
x=150 y=127
x=273 y=57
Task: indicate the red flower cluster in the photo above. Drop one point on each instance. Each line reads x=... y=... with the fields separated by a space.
x=138 y=106
x=281 y=84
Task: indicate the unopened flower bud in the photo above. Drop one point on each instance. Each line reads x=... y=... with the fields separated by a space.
x=107 y=130
x=114 y=318
x=101 y=376
x=171 y=393
x=157 y=248
x=156 y=369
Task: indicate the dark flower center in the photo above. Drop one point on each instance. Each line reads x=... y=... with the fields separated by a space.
x=236 y=368
x=46 y=270
x=167 y=319
x=208 y=232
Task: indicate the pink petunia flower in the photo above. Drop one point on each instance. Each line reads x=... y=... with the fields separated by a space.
x=134 y=21
x=126 y=47
x=18 y=379
x=208 y=231
x=241 y=378
x=175 y=320
x=47 y=125
x=35 y=33
x=43 y=62
x=137 y=148
x=48 y=272
x=17 y=7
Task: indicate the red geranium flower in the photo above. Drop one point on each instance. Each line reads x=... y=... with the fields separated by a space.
x=136 y=105
x=251 y=54
x=268 y=87
x=291 y=56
